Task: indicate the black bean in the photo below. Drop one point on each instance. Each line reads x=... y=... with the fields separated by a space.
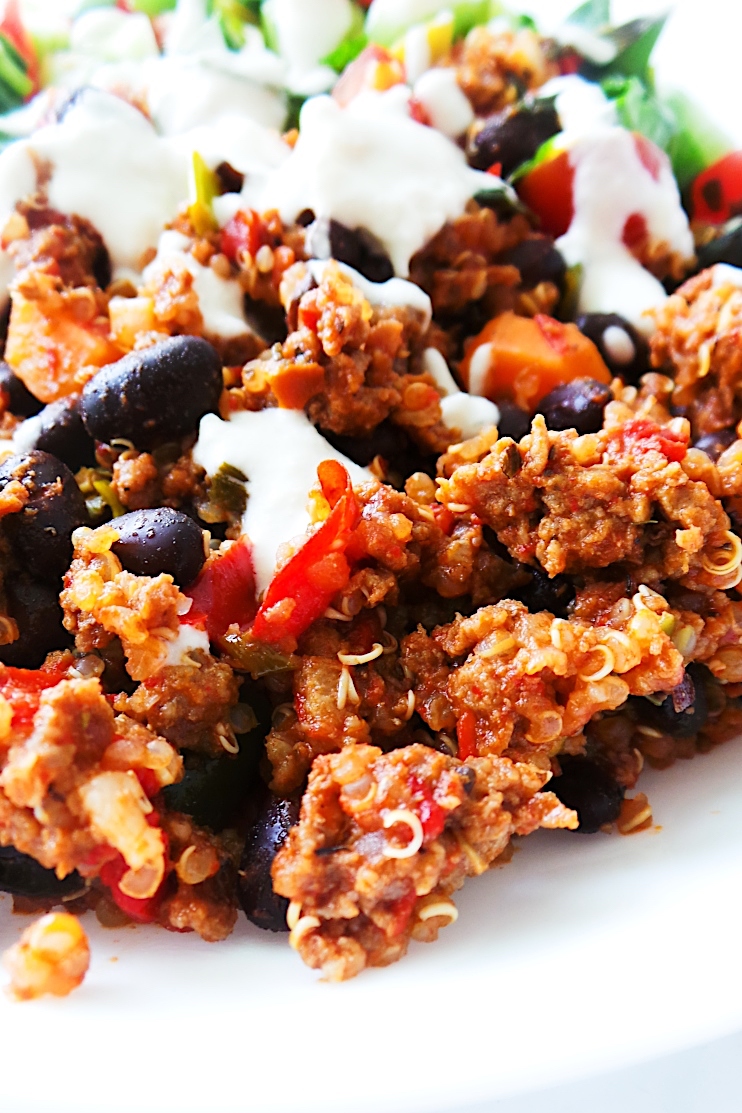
x=513 y=136
x=160 y=540
x=356 y=247
x=713 y=444
x=60 y=431
x=590 y=790
x=272 y=821
x=230 y=180
x=538 y=260
x=543 y=593
x=682 y=712
x=724 y=249
x=514 y=422
x=212 y=790
x=625 y=353
x=578 y=405
x=38 y=615
x=159 y=394
x=268 y=321
x=40 y=532
x=16 y=395
x=25 y=877
x=388 y=441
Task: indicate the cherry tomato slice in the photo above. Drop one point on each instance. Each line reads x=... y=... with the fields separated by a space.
x=716 y=194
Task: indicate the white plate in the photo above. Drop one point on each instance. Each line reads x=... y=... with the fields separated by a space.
x=585 y=954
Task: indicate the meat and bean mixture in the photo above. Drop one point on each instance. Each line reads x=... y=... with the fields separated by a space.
x=360 y=513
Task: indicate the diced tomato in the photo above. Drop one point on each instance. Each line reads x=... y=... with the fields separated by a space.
x=647 y=436
x=716 y=194
x=635 y=231
x=429 y=812
x=466 y=733
x=401 y=911
x=547 y=190
x=143 y=911
x=650 y=155
x=149 y=782
x=224 y=592
x=419 y=112
x=495 y=169
x=303 y=589
x=374 y=68
x=244 y=233
x=22 y=689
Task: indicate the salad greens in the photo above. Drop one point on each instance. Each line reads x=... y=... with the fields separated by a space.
x=618 y=58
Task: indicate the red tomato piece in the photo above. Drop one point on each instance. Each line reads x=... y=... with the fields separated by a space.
x=466 y=733
x=224 y=592
x=635 y=230
x=647 y=436
x=429 y=812
x=547 y=190
x=245 y=232
x=716 y=194
x=303 y=589
x=143 y=911
x=22 y=689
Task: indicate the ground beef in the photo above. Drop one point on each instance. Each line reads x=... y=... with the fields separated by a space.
x=698 y=341
x=577 y=503
x=187 y=705
x=495 y=67
x=384 y=840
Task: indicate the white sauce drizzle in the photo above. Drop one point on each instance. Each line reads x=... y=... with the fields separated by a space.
x=610 y=184
x=618 y=344
x=189 y=638
x=306 y=32
x=466 y=412
x=370 y=165
x=724 y=274
x=279 y=451
x=108 y=165
x=219 y=299
x=395 y=292
x=444 y=100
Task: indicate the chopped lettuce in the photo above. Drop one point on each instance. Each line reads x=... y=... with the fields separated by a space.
x=350 y=47
x=697 y=142
x=640 y=109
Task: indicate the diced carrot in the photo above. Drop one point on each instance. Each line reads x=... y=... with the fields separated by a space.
x=523 y=358
x=48 y=353
x=294 y=385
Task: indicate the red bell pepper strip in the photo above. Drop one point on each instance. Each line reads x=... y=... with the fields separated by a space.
x=304 y=588
x=11 y=27
x=224 y=593
x=22 y=688
x=466 y=734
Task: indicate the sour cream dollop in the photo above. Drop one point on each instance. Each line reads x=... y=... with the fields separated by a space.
x=371 y=165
